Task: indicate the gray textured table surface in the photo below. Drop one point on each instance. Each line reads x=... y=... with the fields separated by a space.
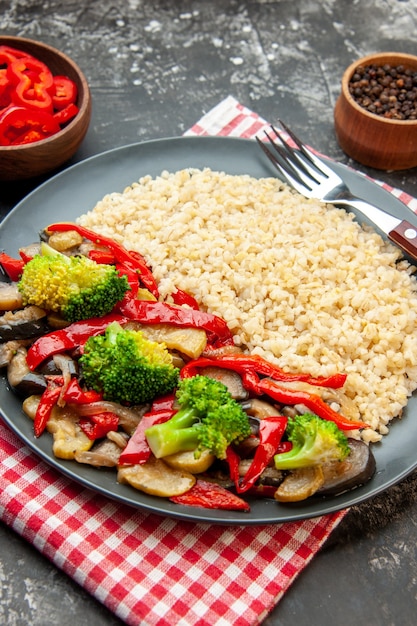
x=154 y=68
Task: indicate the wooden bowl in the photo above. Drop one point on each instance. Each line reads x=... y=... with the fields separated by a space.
x=369 y=138
x=40 y=157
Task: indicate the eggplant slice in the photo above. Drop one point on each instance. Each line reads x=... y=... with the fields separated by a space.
x=355 y=471
x=27 y=323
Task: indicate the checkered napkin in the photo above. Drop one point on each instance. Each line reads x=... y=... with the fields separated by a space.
x=147 y=569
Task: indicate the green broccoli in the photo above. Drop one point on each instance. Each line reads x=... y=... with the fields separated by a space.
x=126 y=367
x=75 y=287
x=315 y=441
x=208 y=418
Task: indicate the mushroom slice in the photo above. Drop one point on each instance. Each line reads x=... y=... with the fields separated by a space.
x=69 y=439
x=25 y=323
x=156 y=478
x=188 y=341
x=9 y=349
x=187 y=462
x=231 y=379
x=260 y=408
x=106 y=453
x=300 y=484
x=10 y=297
x=30 y=405
x=21 y=379
x=66 y=241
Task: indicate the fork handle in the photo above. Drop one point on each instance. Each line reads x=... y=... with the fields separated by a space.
x=405 y=236
x=400 y=232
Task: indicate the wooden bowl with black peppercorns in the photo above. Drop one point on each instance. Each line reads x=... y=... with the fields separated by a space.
x=375 y=114
x=27 y=88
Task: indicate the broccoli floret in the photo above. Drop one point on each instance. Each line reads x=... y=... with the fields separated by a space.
x=315 y=441
x=126 y=367
x=75 y=287
x=208 y=418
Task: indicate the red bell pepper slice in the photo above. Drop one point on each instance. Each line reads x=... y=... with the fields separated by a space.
x=65 y=115
x=233 y=460
x=69 y=338
x=12 y=267
x=137 y=450
x=47 y=402
x=18 y=124
x=74 y=394
x=181 y=297
x=148 y=312
x=271 y=430
x=97 y=426
x=64 y=92
x=104 y=257
x=211 y=496
x=33 y=83
x=313 y=402
x=243 y=363
x=11 y=53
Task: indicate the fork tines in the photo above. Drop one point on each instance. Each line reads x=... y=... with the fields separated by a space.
x=295 y=163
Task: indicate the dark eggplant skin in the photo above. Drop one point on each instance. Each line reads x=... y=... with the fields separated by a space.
x=21 y=380
x=27 y=323
x=355 y=471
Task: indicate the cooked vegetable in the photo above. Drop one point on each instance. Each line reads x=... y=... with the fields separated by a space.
x=21 y=379
x=76 y=287
x=271 y=430
x=354 y=471
x=300 y=484
x=10 y=298
x=209 y=495
x=26 y=323
x=208 y=418
x=126 y=367
x=314 y=442
x=156 y=478
x=69 y=439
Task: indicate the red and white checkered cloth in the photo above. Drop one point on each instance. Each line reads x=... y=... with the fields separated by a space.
x=147 y=569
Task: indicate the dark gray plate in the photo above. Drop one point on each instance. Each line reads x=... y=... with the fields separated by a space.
x=77 y=190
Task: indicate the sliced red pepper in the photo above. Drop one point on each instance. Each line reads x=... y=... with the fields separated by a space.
x=243 y=363
x=233 y=460
x=130 y=259
x=74 y=394
x=12 y=54
x=211 y=496
x=163 y=403
x=5 y=88
x=148 y=312
x=271 y=430
x=181 y=297
x=24 y=256
x=313 y=402
x=5 y=98
x=97 y=426
x=65 y=115
x=12 y=267
x=33 y=83
x=47 y=402
x=17 y=122
x=69 y=338
x=104 y=257
x=64 y=92
x=137 y=450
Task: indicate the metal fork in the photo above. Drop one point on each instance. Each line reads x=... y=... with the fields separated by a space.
x=313 y=178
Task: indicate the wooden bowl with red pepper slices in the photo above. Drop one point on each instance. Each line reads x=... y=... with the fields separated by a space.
x=54 y=142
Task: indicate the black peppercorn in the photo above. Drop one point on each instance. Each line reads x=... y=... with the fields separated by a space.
x=388 y=91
